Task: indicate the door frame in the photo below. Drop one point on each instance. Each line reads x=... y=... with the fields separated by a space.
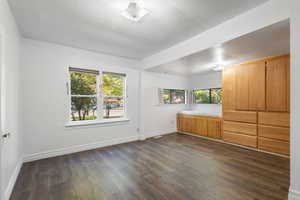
x=1 y=96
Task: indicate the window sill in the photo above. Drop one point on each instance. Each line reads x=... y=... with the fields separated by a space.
x=96 y=122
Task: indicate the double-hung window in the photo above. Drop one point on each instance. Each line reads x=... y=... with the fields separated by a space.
x=96 y=95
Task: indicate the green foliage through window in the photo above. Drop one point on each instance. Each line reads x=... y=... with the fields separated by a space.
x=208 y=96
x=83 y=99
x=85 y=96
x=173 y=96
x=113 y=90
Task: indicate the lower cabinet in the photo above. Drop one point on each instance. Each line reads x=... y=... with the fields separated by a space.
x=267 y=131
x=272 y=145
x=241 y=139
x=200 y=125
x=274 y=132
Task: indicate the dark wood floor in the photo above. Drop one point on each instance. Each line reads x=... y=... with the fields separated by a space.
x=173 y=167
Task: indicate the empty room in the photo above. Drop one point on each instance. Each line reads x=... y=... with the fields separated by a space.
x=149 y=100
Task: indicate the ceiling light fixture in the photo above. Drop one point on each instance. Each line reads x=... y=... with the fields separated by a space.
x=134 y=12
x=218 y=68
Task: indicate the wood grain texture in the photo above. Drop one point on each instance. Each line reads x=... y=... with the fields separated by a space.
x=240 y=116
x=176 y=167
x=277 y=84
x=273 y=132
x=228 y=88
x=274 y=119
x=244 y=128
x=201 y=127
x=275 y=146
x=257 y=89
x=214 y=129
x=241 y=139
x=242 y=88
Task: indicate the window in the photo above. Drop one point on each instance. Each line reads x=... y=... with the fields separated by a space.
x=113 y=95
x=216 y=96
x=90 y=100
x=173 y=96
x=208 y=96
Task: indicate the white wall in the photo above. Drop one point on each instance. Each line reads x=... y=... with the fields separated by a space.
x=295 y=107
x=10 y=93
x=45 y=101
x=159 y=119
x=205 y=81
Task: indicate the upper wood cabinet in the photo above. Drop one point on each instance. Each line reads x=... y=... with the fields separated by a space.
x=250 y=86
x=278 y=84
x=242 y=88
x=228 y=87
x=257 y=89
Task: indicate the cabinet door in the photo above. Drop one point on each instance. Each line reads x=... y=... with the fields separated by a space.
x=278 y=84
x=201 y=127
x=214 y=129
x=186 y=125
x=257 y=90
x=242 y=88
x=228 y=87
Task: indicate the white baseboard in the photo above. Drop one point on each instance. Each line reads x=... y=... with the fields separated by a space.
x=158 y=133
x=77 y=148
x=294 y=195
x=12 y=180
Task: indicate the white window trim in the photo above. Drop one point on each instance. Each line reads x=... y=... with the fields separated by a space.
x=100 y=97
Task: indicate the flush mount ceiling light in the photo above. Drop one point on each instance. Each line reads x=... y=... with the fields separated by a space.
x=218 y=68
x=134 y=12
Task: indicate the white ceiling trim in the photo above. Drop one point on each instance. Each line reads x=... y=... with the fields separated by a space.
x=267 y=14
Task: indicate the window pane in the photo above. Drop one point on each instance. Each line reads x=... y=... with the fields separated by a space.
x=166 y=96
x=83 y=108
x=113 y=85
x=216 y=96
x=201 y=96
x=83 y=84
x=177 y=96
x=113 y=90
x=113 y=107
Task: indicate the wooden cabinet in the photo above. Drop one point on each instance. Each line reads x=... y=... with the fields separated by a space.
x=240 y=116
x=273 y=132
x=243 y=128
x=274 y=119
x=250 y=86
x=200 y=125
x=256 y=104
x=276 y=146
x=242 y=88
x=241 y=139
x=214 y=129
x=257 y=80
x=278 y=84
x=228 y=87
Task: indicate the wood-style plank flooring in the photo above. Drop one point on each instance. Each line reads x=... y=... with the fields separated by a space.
x=173 y=167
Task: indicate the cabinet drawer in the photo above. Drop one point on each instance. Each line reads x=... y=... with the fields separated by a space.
x=246 y=140
x=240 y=116
x=274 y=118
x=279 y=133
x=248 y=129
x=275 y=146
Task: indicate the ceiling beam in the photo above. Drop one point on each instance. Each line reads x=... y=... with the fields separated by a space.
x=267 y=14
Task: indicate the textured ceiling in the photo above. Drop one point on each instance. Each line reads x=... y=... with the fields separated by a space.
x=97 y=24
x=270 y=41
